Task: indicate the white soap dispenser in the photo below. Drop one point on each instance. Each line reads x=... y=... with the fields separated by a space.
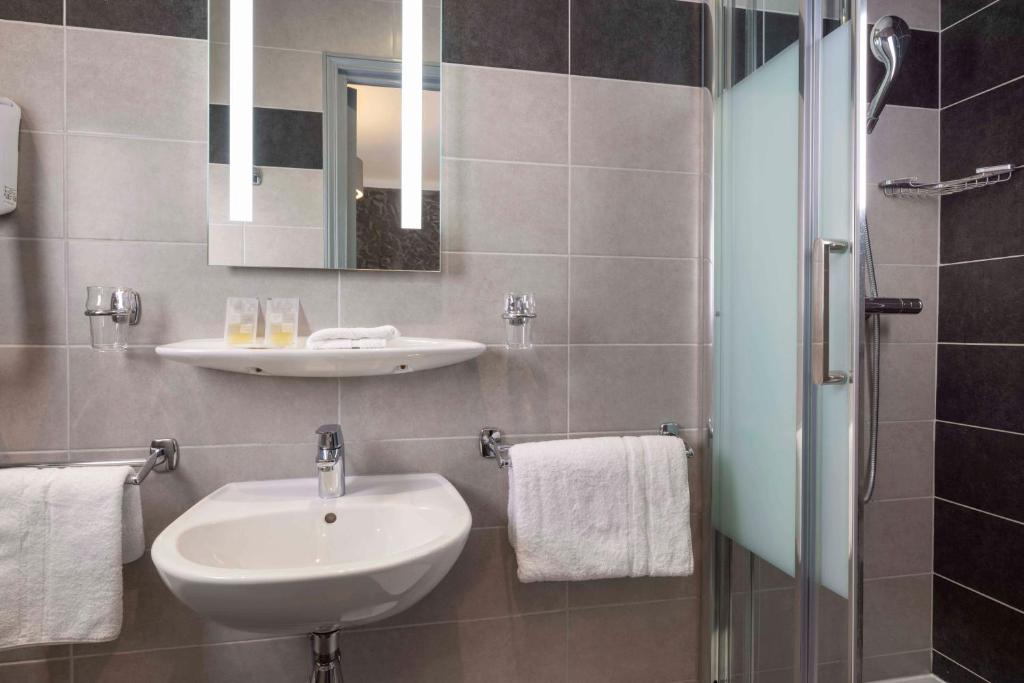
x=10 y=123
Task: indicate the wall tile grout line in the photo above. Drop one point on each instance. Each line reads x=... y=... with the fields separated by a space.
x=974 y=426
x=981 y=260
x=889 y=577
x=978 y=592
x=963 y=19
x=985 y=92
x=955 y=661
x=981 y=511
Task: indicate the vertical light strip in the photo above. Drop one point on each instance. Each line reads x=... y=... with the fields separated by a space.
x=240 y=182
x=412 y=113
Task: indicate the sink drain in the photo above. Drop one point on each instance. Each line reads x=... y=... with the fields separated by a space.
x=330 y=518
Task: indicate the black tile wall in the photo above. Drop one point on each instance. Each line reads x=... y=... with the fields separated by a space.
x=40 y=11
x=983 y=51
x=980 y=371
x=980 y=551
x=981 y=385
x=955 y=10
x=639 y=40
x=977 y=632
x=983 y=131
x=780 y=31
x=982 y=301
x=951 y=672
x=917 y=83
x=512 y=34
x=181 y=18
x=281 y=137
x=742 y=64
x=985 y=223
x=980 y=468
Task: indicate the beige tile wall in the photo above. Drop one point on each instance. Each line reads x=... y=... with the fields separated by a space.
x=897 y=523
x=113 y=169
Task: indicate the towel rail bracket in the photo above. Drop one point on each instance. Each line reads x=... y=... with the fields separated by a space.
x=164 y=456
x=492 y=444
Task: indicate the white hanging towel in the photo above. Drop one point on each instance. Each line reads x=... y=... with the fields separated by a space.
x=600 y=508
x=64 y=534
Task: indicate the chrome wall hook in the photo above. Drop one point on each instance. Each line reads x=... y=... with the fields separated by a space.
x=491 y=446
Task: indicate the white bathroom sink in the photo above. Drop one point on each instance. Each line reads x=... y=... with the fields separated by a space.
x=404 y=354
x=265 y=556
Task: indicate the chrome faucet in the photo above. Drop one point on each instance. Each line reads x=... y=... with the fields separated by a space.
x=330 y=461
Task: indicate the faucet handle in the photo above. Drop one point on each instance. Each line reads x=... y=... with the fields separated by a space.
x=329 y=436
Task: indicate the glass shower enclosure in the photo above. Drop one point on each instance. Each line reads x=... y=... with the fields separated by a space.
x=788 y=194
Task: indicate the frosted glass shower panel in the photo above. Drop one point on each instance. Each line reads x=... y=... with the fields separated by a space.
x=756 y=311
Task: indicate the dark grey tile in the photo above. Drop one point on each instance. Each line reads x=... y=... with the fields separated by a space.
x=34 y=652
x=182 y=18
x=154 y=617
x=744 y=63
x=526 y=649
x=513 y=34
x=708 y=53
x=268 y=661
x=917 y=83
x=637 y=40
x=40 y=11
x=977 y=632
x=53 y=671
x=980 y=468
x=780 y=31
x=955 y=10
x=985 y=223
x=982 y=51
x=905 y=460
x=483 y=584
x=951 y=672
x=898 y=665
x=983 y=131
x=980 y=385
x=982 y=302
x=281 y=137
x=897 y=537
x=897 y=614
x=980 y=551
x=634 y=643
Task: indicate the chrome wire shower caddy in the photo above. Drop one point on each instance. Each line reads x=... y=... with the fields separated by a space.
x=911 y=188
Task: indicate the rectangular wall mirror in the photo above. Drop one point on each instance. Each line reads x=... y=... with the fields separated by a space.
x=324 y=134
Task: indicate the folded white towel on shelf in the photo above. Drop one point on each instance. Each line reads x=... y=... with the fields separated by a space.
x=600 y=508
x=369 y=343
x=63 y=537
x=379 y=332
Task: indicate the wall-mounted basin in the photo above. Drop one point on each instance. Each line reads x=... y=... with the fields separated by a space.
x=272 y=557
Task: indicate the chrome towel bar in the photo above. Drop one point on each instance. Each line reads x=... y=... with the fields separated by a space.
x=163 y=457
x=492 y=444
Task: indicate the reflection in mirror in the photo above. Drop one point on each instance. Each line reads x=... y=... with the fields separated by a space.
x=363 y=116
x=321 y=133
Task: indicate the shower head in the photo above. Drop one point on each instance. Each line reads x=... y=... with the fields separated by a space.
x=890 y=41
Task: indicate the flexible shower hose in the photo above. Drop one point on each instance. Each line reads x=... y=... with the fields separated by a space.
x=875 y=375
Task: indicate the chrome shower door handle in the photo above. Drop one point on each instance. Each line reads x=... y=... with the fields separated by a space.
x=823 y=249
